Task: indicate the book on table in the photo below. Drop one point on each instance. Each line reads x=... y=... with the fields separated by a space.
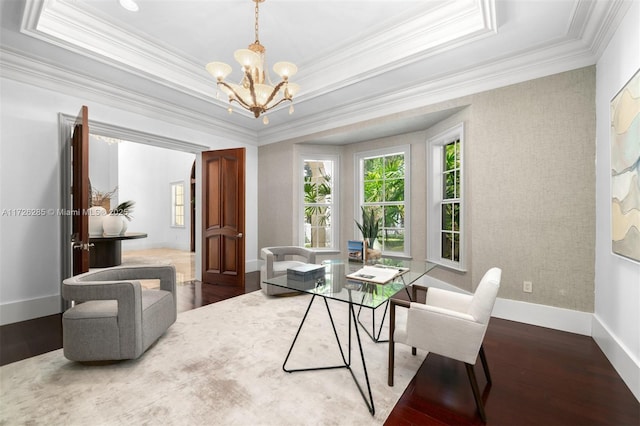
x=356 y=250
x=378 y=274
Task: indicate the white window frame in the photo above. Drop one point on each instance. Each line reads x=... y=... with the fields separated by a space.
x=435 y=165
x=335 y=200
x=173 y=186
x=357 y=214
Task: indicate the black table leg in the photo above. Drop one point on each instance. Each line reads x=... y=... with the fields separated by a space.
x=346 y=361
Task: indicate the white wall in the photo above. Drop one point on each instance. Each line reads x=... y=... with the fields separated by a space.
x=103 y=164
x=144 y=175
x=616 y=325
x=30 y=270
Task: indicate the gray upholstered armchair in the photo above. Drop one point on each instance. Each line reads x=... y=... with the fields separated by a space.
x=278 y=260
x=117 y=318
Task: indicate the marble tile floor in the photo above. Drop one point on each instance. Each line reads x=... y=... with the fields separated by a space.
x=184 y=261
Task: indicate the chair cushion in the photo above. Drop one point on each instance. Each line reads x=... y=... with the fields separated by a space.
x=93 y=309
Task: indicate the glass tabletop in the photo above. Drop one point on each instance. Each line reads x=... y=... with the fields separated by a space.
x=336 y=285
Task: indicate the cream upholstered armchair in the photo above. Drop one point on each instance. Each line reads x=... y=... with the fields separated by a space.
x=117 y=319
x=449 y=324
x=276 y=262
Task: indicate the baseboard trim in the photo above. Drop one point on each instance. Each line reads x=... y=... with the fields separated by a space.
x=627 y=366
x=28 y=309
x=252 y=265
x=544 y=316
x=531 y=313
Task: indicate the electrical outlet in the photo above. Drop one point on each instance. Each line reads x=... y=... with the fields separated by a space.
x=527 y=287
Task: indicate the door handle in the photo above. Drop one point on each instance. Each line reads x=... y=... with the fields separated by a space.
x=81 y=246
x=239 y=235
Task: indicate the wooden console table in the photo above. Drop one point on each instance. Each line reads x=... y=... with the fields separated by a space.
x=107 y=249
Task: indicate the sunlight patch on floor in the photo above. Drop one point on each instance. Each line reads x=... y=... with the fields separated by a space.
x=184 y=261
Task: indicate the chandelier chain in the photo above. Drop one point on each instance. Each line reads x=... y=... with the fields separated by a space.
x=256 y=24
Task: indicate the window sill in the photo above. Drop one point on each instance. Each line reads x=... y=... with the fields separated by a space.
x=448 y=265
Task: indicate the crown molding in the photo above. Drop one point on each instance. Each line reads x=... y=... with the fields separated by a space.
x=605 y=18
x=535 y=63
x=17 y=66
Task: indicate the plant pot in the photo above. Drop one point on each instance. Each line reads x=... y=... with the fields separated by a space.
x=96 y=217
x=125 y=225
x=112 y=224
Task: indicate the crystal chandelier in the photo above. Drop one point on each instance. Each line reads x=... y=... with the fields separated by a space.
x=256 y=92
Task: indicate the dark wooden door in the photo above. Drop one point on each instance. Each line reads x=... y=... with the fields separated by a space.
x=80 y=192
x=223 y=218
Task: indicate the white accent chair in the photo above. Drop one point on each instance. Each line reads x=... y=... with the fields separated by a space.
x=449 y=324
x=278 y=260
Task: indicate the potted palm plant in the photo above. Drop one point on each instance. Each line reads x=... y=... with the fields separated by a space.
x=369 y=228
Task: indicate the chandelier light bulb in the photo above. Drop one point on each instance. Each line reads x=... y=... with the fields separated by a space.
x=291 y=90
x=219 y=70
x=246 y=58
x=285 y=69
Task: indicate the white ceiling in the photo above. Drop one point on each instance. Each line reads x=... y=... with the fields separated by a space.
x=366 y=67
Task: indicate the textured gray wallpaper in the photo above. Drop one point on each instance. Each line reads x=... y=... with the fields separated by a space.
x=530 y=180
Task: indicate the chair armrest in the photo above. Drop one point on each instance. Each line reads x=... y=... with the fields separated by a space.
x=268 y=257
x=399 y=302
x=415 y=288
x=445 y=332
x=165 y=273
x=291 y=251
x=443 y=311
x=83 y=291
x=449 y=299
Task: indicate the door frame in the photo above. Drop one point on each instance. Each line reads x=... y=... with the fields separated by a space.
x=66 y=123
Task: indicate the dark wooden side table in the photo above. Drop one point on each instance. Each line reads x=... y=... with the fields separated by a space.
x=107 y=249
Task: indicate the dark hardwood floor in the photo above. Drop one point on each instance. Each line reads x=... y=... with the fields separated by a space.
x=540 y=376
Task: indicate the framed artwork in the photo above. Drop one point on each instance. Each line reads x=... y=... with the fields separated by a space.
x=625 y=170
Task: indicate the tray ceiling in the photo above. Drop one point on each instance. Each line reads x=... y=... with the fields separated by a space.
x=358 y=60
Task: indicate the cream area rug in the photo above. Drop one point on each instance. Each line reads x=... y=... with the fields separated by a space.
x=217 y=365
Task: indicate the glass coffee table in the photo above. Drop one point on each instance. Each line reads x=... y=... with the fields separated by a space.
x=355 y=292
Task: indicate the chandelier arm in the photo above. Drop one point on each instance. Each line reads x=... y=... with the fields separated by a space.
x=252 y=89
x=278 y=103
x=273 y=93
x=237 y=98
